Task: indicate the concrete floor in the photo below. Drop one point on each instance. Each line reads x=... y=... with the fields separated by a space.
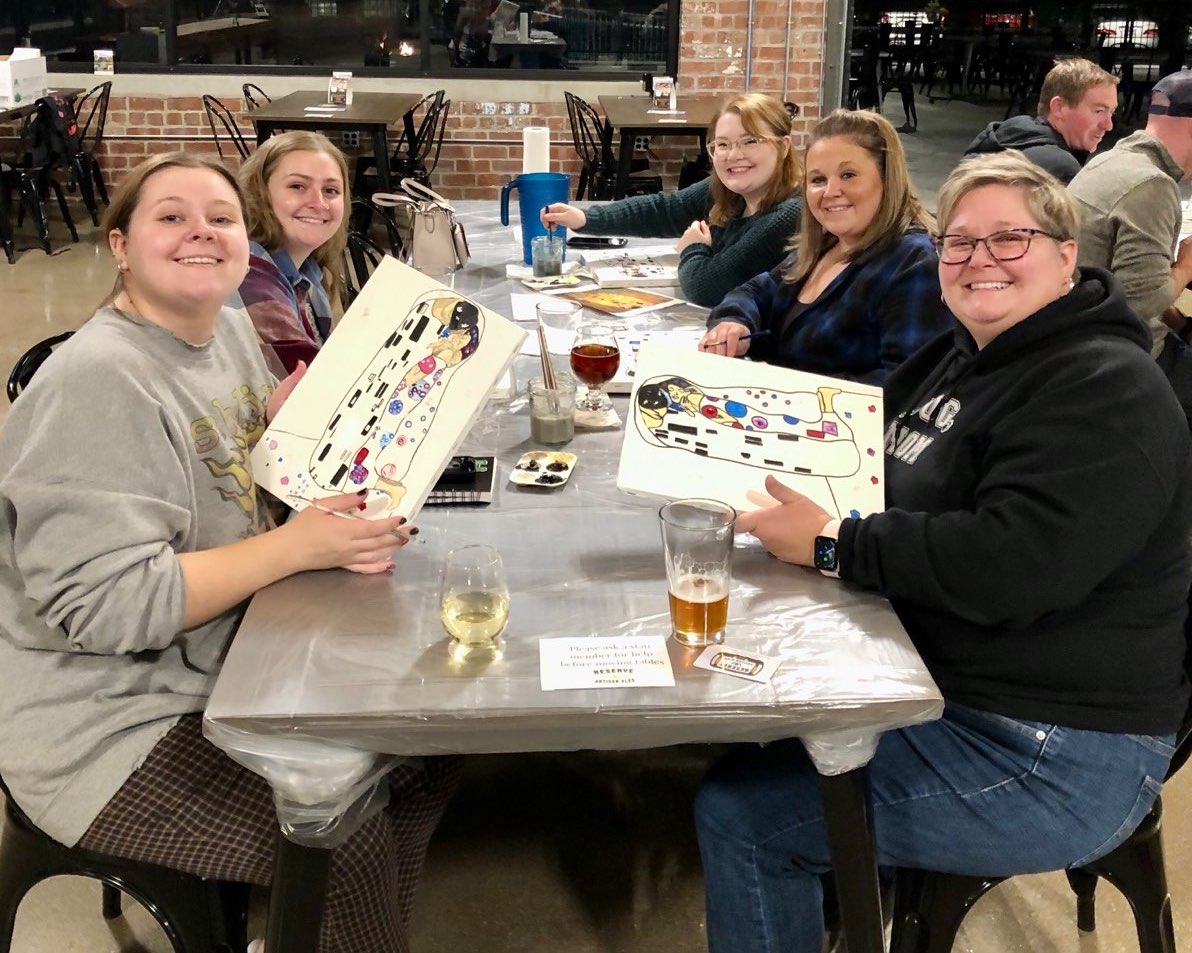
x=588 y=852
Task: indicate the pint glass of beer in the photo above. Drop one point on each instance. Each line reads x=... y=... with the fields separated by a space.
x=697 y=538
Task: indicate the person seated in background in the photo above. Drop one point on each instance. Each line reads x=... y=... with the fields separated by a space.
x=1076 y=106
x=295 y=194
x=1129 y=199
x=1035 y=547
x=132 y=535
x=730 y=225
x=861 y=291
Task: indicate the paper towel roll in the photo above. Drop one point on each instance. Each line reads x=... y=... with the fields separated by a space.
x=535 y=149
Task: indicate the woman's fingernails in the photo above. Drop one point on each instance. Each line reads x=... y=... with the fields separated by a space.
x=361 y=492
x=401 y=521
x=414 y=531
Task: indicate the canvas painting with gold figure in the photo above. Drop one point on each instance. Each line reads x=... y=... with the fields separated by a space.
x=389 y=397
x=705 y=425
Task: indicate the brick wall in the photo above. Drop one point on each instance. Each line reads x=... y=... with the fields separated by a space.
x=483 y=140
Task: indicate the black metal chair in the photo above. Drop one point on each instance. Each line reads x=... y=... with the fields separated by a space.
x=92 y=114
x=362 y=256
x=33 y=183
x=598 y=171
x=254 y=96
x=929 y=906
x=28 y=363
x=217 y=112
x=417 y=151
x=197 y=916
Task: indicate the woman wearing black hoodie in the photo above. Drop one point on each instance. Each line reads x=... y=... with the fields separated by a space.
x=1035 y=547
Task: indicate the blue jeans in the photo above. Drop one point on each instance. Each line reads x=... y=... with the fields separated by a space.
x=972 y=793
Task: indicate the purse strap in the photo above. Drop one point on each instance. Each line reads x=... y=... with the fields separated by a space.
x=423 y=193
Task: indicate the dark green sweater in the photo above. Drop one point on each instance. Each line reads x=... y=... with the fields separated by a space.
x=743 y=248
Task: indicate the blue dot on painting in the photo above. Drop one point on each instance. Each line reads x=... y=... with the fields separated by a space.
x=855 y=514
x=735 y=408
x=788 y=419
x=395 y=406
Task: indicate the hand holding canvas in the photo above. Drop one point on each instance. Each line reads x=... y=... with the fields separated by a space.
x=787 y=530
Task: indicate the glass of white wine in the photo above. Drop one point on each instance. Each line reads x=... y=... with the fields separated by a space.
x=474 y=600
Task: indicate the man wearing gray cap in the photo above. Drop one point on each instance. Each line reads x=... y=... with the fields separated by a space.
x=1130 y=207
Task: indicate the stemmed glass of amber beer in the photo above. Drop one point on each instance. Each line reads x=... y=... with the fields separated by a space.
x=595 y=357
x=697 y=539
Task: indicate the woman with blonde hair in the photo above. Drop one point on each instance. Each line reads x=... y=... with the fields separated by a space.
x=1035 y=547
x=118 y=606
x=860 y=292
x=295 y=197
x=729 y=226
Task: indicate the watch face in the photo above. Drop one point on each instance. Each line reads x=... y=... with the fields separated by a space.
x=825 y=553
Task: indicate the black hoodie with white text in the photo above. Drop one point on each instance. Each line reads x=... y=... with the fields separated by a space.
x=1036 y=538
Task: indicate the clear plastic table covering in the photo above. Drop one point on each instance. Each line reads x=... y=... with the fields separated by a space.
x=333 y=676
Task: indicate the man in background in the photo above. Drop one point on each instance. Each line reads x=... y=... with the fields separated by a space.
x=1076 y=106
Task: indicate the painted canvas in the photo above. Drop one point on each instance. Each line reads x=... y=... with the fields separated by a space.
x=389 y=397
x=705 y=425
x=621 y=302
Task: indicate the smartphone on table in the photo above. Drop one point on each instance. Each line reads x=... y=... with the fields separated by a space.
x=596 y=241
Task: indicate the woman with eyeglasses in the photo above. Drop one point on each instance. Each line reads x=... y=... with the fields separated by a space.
x=1035 y=547
x=860 y=292
x=729 y=226
x=295 y=194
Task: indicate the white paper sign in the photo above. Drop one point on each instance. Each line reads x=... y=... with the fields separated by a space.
x=620 y=662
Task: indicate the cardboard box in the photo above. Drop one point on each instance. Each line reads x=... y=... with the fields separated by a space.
x=22 y=77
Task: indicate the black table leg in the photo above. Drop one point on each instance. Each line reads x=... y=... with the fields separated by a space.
x=624 y=163
x=296 y=897
x=264 y=130
x=848 y=815
x=381 y=151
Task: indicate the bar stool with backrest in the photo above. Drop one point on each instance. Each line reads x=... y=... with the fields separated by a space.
x=598 y=170
x=929 y=906
x=417 y=152
x=92 y=116
x=35 y=175
x=254 y=96
x=220 y=116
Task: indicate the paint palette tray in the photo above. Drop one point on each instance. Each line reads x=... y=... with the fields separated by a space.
x=545 y=468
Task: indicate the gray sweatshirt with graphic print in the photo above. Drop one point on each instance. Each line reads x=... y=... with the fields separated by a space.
x=129 y=447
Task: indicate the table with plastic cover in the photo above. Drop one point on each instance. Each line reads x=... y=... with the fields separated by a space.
x=332 y=675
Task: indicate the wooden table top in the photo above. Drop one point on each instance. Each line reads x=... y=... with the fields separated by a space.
x=9 y=113
x=632 y=112
x=367 y=108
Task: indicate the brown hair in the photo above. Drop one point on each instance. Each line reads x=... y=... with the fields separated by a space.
x=260 y=219
x=1070 y=79
x=764 y=117
x=128 y=195
x=1049 y=202
x=900 y=208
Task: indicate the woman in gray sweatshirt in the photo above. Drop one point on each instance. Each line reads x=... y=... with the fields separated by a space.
x=132 y=535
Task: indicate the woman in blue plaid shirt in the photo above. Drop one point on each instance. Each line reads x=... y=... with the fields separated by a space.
x=860 y=290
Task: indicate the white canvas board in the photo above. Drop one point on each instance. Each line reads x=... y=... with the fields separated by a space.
x=389 y=397
x=630 y=342
x=666 y=253
x=705 y=425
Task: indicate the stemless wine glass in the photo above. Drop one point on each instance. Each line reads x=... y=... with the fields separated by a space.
x=595 y=357
x=474 y=600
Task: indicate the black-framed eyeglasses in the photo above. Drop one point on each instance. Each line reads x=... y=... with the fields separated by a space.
x=1007 y=245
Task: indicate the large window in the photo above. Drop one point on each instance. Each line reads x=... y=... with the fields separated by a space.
x=439 y=37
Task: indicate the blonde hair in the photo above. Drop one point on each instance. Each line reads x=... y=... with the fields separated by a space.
x=900 y=208
x=1049 y=202
x=262 y=222
x=764 y=117
x=1070 y=79
x=128 y=196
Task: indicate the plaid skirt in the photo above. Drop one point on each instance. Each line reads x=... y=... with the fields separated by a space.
x=191 y=807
